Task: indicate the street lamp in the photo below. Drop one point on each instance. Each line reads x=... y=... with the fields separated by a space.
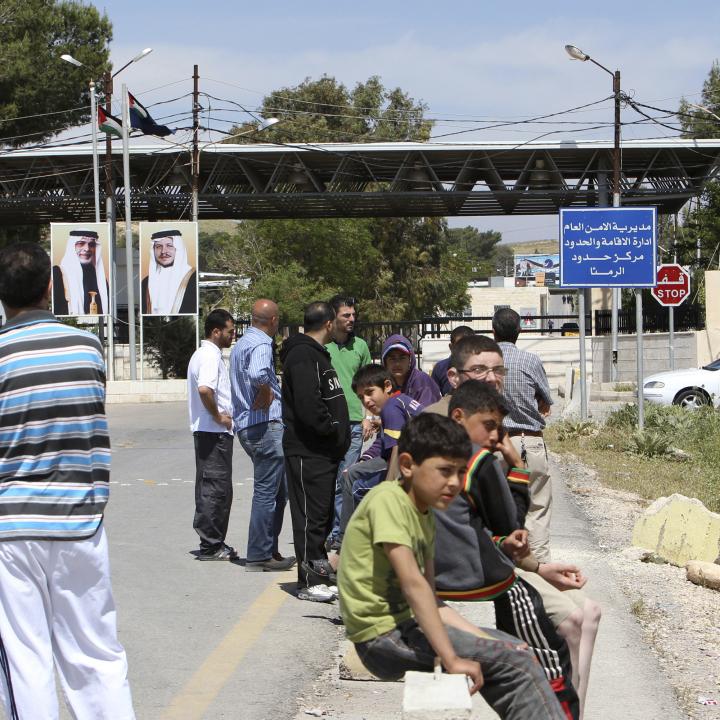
x=576 y=54
x=108 y=78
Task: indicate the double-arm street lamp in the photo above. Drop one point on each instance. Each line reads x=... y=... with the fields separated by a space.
x=110 y=213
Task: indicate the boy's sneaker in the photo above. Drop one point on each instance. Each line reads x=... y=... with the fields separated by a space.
x=271 y=565
x=333 y=589
x=316 y=593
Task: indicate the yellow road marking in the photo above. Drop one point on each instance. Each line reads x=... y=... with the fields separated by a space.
x=210 y=678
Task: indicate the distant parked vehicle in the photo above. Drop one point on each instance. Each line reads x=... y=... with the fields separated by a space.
x=569 y=329
x=690 y=388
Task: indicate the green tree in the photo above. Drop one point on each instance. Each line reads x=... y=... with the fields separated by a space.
x=169 y=344
x=400 y=268
x=324 y=110
x=36 y=86
x=702 y=220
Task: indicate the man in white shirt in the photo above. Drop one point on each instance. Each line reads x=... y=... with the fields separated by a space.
x=210 y=404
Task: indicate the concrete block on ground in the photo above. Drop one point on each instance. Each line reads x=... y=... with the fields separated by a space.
x=430 y=696
x=679 y=529
x=705 y=574
x=351 y=667
x=129 y=391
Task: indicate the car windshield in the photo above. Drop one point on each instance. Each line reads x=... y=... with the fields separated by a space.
x=714 y=365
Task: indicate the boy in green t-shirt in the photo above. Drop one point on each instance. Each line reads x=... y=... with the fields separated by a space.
x=387 y=586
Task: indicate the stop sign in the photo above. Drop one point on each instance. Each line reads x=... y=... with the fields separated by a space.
x=673 y=285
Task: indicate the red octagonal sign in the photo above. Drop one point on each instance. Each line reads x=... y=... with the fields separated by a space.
x=673 y=285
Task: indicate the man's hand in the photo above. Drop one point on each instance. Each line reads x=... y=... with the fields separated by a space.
x=515 y=545
x=509 y=453
x=562 y=576
x=368 y=429
x=225 y=421
x=461 y=666
x=263 y=398
x=544 y=407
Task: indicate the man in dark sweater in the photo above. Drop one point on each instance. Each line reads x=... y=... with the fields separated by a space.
x=317 y=435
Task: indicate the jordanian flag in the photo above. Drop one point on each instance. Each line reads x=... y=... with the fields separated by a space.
x=109 y=124
x=141 y=120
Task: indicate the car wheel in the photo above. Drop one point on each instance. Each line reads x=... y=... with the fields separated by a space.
x=691 y=398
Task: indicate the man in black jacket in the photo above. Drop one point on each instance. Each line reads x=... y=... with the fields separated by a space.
x=317 y=435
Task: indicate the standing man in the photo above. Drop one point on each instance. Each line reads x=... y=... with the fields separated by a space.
x=210 y=405
x=440 y=371
x=257 y=417
x=348 y=354
x=56 y=600
x=317 y=436
x=528 y=395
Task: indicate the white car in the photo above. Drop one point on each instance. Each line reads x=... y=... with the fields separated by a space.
x=688 y=388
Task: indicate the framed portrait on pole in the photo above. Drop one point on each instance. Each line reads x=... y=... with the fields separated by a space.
x=168 y=268
x=81 y=276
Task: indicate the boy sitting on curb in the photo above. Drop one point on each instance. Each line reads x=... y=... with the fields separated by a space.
x=387 y=582
x=478 y=538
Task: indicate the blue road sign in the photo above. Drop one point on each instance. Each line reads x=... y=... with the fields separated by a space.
x=608 y=247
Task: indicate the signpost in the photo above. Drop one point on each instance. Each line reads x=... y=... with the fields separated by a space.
x=672 y=289
x=613 y=248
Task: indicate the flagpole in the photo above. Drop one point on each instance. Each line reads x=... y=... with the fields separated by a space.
x=128 y=233
x=96 y=169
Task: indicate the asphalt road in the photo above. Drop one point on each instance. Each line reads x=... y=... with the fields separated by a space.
x=203 y=639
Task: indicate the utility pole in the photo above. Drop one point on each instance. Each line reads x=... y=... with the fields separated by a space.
x=615 y=292
x=195 y=164
x=112 y=230
x=195 y=171
x=128 y=234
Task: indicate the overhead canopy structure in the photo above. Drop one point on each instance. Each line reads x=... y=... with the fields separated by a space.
x=358 y=180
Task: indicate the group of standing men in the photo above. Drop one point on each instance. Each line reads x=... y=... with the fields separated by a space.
x=299 y=438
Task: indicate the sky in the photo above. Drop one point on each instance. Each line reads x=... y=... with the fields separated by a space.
x=470 y=62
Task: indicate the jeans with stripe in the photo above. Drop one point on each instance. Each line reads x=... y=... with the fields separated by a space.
x=515 y=685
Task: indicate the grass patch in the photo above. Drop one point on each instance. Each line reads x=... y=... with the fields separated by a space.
x=624 y=387
x=678 y=451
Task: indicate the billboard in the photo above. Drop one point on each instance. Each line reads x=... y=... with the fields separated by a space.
x=538 y=270
x=168 y=268
x=81 y=276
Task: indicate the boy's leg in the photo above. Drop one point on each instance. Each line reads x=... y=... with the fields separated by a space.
x=515 y=685
x=520 y=612
x=351 y=457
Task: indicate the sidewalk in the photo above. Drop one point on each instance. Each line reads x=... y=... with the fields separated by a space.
x=626 y=680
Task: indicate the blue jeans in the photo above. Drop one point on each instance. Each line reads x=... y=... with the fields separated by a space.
x=263 y=443
x=351 y=457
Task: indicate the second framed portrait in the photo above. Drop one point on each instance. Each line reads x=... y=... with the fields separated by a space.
x=168 y=268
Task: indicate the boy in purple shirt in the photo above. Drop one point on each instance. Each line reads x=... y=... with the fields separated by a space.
x=374 y=386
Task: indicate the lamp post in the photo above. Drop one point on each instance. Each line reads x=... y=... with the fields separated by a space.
x=577 y=54
x=110 y=209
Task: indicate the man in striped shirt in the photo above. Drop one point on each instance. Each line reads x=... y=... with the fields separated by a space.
x=257 y=417
x=55 y=593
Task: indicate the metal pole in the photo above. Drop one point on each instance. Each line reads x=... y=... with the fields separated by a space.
x=128 y=233
x=615 y=292
x=583 y=362
x=195 y=167
x=671 y=309
x=112 y=229
x=96 y=169
x=639 y=350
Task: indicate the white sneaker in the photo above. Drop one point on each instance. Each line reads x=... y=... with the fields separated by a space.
x=316 y=593
x=333 y=589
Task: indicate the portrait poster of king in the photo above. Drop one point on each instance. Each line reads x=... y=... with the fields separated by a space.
x=168 y=268
x=80 y=269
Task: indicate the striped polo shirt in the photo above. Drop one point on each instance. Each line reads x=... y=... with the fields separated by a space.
x=54 y=442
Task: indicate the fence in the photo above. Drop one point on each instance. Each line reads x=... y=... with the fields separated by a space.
x=655 y=319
